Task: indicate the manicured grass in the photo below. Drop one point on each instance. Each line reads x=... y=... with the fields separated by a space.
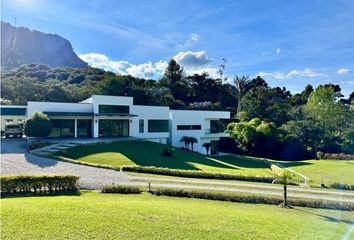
x=150 y=154
x=99 y=216
x=332 y=171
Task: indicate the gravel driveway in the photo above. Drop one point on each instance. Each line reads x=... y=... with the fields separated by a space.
x=15 y=159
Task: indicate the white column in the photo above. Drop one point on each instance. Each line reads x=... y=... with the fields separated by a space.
x=95 y=127
x=75 y=134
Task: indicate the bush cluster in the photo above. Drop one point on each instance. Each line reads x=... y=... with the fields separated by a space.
x=167 y=152
x=124 y=189
x=23 y=184
x=342 y=186
x=196 y=174
x=232 y=197
x=336 y=156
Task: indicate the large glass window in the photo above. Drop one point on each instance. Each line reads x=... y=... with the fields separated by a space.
x=157 y=125
x=189 y=127
x=63 y=128
x=113 y=109
x=141 y=125
x=217 y=126
x=113 y=128
x=84 y=128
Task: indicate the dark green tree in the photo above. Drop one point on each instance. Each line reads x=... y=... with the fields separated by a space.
x=38 y=126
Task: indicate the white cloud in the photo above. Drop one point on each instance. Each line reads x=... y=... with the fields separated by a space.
x=144 y=70
x=349 y=82
x=343 y=71
x=192 y=62
x=196 y=63
x=193 y=38
x=192 y=59
x=277 y=51
x=307 y=72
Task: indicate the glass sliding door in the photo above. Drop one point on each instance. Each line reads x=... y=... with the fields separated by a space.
x=63 y=128
x=113 y=128
x=84 y=128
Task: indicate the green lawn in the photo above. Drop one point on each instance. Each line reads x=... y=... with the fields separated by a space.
x=331 y=170
x=150 y=154
x=98 y=216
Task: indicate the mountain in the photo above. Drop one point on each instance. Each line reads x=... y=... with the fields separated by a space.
x=20 y=45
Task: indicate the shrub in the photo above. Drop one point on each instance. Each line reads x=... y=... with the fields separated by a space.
x=320 y=155
x=23 y=184
x=196 y=174
x=167 y=152
x=243 y=198
x=338 y=156
x=38 y=126
x=342 y=186
x=124 y=189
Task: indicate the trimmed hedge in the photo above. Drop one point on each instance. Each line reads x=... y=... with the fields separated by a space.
x=337 y=156
x=24 y=184
x=124 y=189
x=196 y=174
x=243 y=198
x=342 y=186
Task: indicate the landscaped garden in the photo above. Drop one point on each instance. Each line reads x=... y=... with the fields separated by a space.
x=332 y=171
x=100 y=216
x=146 y=153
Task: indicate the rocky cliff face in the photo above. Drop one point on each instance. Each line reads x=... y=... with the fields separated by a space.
x=20 y=45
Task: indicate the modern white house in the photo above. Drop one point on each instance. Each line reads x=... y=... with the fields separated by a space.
x=117 y=116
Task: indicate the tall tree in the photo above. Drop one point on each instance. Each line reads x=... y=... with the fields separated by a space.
x=324 y=108
x=174 y=79
x=241 y=84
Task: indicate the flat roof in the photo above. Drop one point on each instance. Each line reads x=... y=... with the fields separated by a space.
x=13 y=111
x=68 y=114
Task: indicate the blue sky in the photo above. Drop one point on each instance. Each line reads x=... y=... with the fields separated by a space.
x=290 y=43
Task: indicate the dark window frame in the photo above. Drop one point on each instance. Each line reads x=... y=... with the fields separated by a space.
x=108 y=109
x=188 y=127
x=153 y=125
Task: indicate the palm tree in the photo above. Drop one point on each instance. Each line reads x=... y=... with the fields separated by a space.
x=241 y=84
x=284 y=177
x=186 y=141
x=192 y=140
x=207 y=147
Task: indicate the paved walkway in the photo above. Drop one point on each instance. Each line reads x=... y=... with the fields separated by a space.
x=16 y=160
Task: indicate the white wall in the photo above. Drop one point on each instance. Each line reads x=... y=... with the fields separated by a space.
x=33 y=107
x=109 y=100
x=146 y=113
x=188 y=117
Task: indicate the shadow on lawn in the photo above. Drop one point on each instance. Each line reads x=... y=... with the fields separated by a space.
x=326 y=218
x=293 y=164
x=150 y=154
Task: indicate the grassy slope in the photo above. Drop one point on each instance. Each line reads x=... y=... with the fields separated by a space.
x=150 y=154
x=331 y=170
x=99 y=216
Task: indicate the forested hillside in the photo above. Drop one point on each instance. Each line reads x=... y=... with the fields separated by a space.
x=268 y=122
